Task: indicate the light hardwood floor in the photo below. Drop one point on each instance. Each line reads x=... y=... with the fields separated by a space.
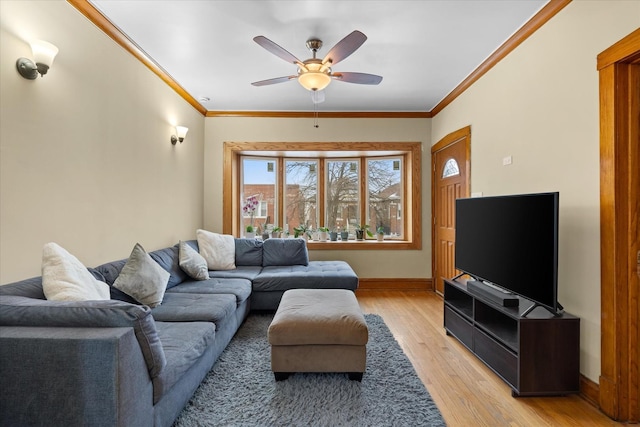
x=466 y=391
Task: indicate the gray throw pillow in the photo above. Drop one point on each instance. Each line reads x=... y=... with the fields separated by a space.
x=192 y=262
x=142 y=278
x=284 y=252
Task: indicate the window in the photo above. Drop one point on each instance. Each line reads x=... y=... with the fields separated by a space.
x=333 y=185
x=259 y=181
x=301 y=194
x=342 y=200
x=450 y=168
x=385 y=195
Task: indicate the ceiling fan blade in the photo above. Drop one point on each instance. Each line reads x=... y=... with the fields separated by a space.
x=274 y=81
x=359 y=78
x=276 y=49
x=344 y=48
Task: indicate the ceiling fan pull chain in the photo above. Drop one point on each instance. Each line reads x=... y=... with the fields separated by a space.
x=315 y=116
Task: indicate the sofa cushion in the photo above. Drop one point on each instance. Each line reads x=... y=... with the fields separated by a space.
x=169 y=259
x=316 y=275
x=186 y=307
x=284 y=252
x=192 y=263
x=241 y=288
x=248 y=252
x=22 y=311
x=143 y=278
x=218 y=249
x=65 y=278
x=243 y=272
x=183 y=344
x=111 y=270
x=31 y=288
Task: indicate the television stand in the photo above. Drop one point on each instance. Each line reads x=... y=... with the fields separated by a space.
x=536 y=352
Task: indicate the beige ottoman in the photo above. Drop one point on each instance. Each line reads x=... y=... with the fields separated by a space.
x=318 y=330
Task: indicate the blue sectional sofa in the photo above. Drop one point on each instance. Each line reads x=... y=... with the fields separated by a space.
x=119 y=363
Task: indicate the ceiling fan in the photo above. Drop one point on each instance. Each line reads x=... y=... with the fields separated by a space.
x=315 y=74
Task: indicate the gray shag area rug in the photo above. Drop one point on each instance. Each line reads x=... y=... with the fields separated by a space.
x=240 y=390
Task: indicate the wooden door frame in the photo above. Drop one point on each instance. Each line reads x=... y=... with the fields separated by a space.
x=452 y=138
x=619 y=392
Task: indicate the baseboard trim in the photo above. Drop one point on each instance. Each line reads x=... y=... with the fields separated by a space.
x=590 y=391
x=391 y=284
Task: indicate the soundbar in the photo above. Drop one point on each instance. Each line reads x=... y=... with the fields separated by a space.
x=493 y=295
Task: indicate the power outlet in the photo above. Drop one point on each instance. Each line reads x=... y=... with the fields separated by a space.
x=507 y=161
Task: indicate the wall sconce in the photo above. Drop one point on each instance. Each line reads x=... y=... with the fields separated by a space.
x=43 y=55
x=181 y=132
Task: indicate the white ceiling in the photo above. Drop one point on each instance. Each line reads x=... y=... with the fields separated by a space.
x=423 y=49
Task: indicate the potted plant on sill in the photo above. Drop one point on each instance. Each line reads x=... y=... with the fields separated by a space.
x=380 y=233
x=333 y=235
x=276 y=232
x=249 y=208
x=302 y=231
x=323 y=234
x=361 y=229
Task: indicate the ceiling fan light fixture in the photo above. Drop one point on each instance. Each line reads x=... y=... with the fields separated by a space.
x=315 y=74
x=314 y=80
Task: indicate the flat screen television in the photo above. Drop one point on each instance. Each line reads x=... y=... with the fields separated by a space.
x=511 y=242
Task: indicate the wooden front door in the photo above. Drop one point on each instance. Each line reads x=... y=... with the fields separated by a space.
x=450 y=181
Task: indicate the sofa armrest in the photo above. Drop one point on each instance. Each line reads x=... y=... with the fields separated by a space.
x=73 y=376
x=22 y=311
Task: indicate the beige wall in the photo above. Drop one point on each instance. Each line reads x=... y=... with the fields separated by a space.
x=85 y=157
x=381 y=264
x=540 y=106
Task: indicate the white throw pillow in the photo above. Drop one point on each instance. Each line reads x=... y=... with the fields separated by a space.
x=65 y=278
x=142 y=278
x=192 y=262
x=218 y=249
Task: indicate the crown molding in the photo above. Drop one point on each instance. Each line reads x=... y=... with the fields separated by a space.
x=101 y=21
x=538 y=20
x=324 y=114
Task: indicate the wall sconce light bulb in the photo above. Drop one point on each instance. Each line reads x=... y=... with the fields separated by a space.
x=181 y=133
x=43 y=55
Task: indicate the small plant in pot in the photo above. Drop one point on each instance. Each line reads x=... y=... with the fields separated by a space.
x=344 y=235
x=276 y=232
x=333 y=235
x=249 y=208
x=361 y=229
x=302 y=231
x=380 y=233
x=323 y=233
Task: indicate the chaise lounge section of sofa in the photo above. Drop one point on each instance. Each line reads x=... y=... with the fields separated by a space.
x=120 y=363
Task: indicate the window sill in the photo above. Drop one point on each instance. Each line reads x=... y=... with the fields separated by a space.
x=363 y=245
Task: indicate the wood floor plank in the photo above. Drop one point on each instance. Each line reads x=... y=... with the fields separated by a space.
x=467 y=392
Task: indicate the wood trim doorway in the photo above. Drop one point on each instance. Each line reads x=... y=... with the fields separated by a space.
x=457 y=145
x=619 y=71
